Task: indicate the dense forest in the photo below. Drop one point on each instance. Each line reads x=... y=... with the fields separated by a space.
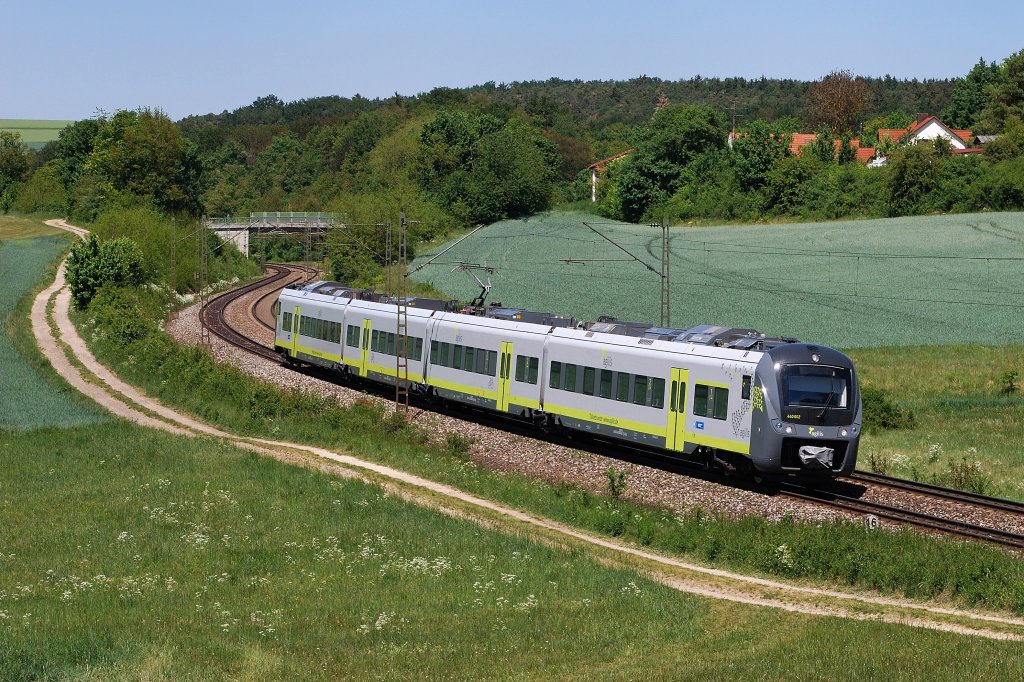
x=456 y=157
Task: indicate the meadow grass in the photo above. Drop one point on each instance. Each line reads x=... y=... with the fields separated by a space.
x=964 y=416
x=131 y=554
x=849 y=284
x=29 y=395
x=13 y=226
x=901 y=563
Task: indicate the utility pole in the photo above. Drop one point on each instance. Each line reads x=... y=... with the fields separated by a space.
x=203 y=280
x=174 y=257
x=402 y=323
x=666 y=306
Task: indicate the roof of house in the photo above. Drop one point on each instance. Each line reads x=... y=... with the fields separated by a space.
x=895 y=134
x=801 y=140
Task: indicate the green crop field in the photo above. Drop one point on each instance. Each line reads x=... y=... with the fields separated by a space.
x=34 y=133
x=28 y=400
x=922 y=280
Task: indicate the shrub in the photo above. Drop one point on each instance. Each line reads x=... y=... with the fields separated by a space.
x=92 y=265
x=616 y=482
x=1008 y=381
x=880 y=412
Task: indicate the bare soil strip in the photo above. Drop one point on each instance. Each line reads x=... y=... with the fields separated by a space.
x=61 y=339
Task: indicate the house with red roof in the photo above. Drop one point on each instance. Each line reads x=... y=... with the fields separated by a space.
x=927 y=128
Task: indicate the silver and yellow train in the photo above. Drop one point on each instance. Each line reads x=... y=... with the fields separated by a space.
x=734 y=397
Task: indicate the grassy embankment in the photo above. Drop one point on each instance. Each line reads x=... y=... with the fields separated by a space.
x=129 y=554
x=881 y=288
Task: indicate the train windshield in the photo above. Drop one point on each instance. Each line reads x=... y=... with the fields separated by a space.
x=815 y=386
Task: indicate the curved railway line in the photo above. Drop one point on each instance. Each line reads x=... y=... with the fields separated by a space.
x=214 y=318
x=213 y=315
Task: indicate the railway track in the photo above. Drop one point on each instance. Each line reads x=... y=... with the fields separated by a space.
x=938 y=492
x=902 y=516
x=213 y=316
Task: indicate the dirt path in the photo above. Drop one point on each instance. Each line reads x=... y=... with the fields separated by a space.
x=60 y=339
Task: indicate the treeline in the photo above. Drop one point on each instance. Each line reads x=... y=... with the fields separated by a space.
x=456 y=157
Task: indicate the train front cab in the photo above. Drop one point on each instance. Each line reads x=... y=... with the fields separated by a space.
x=806 y=412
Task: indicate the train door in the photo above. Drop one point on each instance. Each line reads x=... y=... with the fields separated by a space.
x=504 y=372
x=675 y=437
x=364 y=355
x=295 y=333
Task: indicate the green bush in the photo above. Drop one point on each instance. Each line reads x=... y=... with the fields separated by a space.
x=92 y=265
x=880 y=412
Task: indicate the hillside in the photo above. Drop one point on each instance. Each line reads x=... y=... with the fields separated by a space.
x=900 y=281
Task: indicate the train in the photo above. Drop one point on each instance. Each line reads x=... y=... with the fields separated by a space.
x=733 y=399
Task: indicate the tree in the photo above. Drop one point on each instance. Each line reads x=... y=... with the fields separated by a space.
x=13 y=166
x=970 y=95
x=913 y=172
x=142 y=153
x=92 y=265
x=836 y=100
x=756 y=151
x=1006 y=95
x=676 y=137
x=824 y=146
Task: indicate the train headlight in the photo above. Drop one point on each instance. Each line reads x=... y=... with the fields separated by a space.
x=789 y=429
x=844 y=433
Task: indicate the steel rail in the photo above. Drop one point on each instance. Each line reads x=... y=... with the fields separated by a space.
x=212 y=316
x=937 y=491
x=907 y=516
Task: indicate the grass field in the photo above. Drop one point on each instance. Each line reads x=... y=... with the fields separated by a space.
x=28 y=400
x=24 y=227
x=34 y=133
x=129 y=554
x=904 y=281
x=967 y=426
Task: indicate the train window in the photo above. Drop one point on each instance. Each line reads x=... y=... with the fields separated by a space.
x=468 y=359
x=457 y=356
x=672 y=398
x=711 y=401
x=434 y=353
x=531 y=371
x=589 y=374
x=556 y=375
x=721 y=410
x=520 y=368
x=640 y=396
x=570 y=378
x=375 y=341
x=700 y=400
x=621 y=387
x=745 y=394
x=286 y=322
x=682 y=397
x=606 y=383
x=352 y=336
x=491 y=368
x=417 y=349
x=658 y=393
x=446 y=350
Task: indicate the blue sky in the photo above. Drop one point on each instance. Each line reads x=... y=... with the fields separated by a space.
x=66 y=60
